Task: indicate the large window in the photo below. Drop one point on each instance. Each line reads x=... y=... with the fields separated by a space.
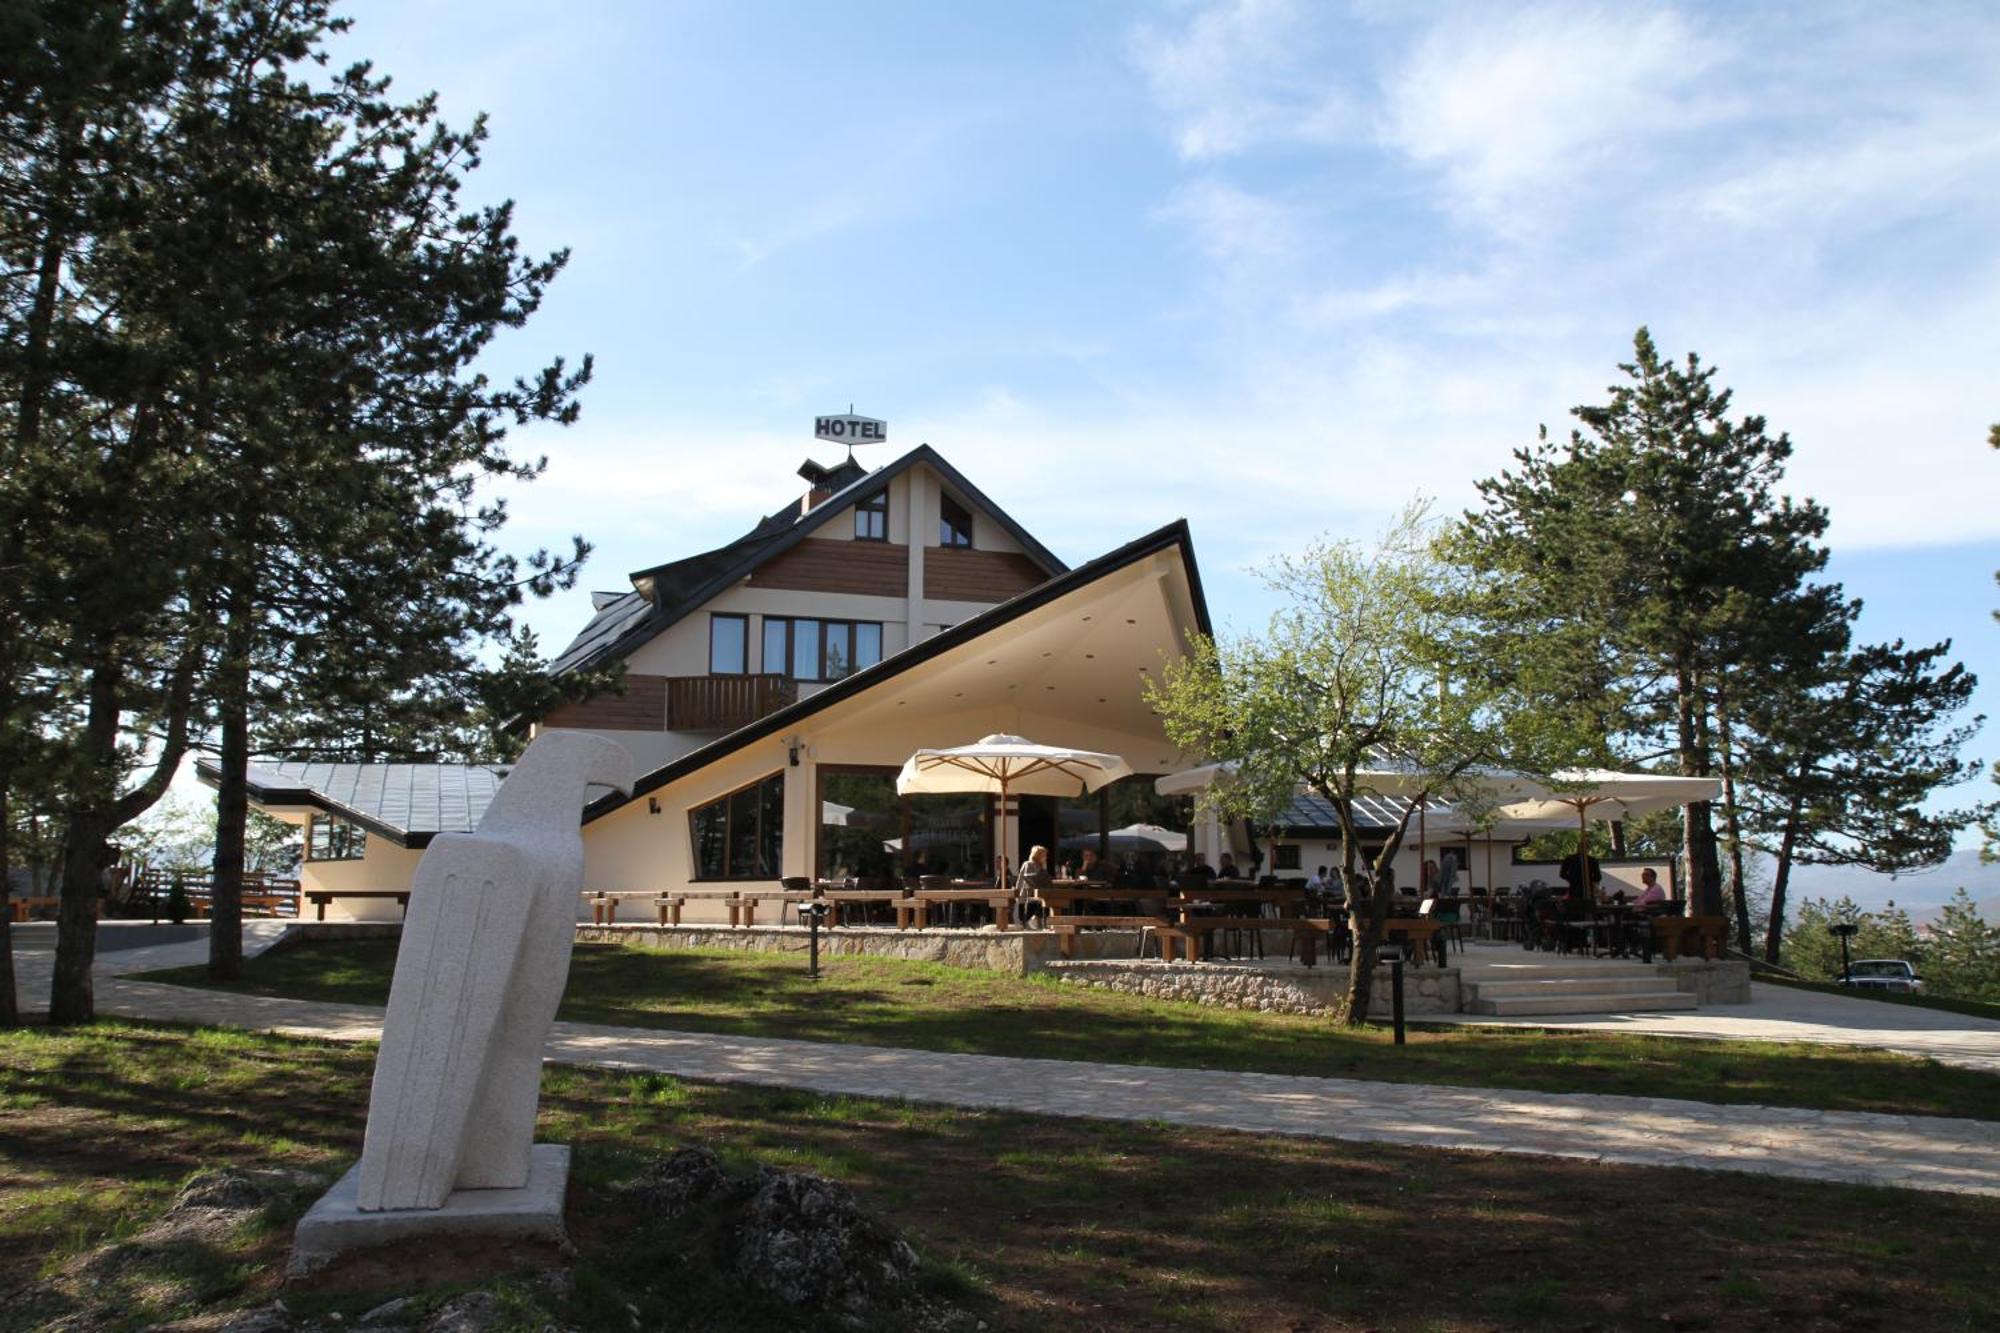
x=330 y=839
x=728 y=644
x=820 y=649
x=871 y=518
x=741 y=836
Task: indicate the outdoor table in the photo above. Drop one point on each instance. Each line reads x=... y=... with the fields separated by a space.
x=1623 y=926
x=1224 y=891
x=1422 y=936
x=1063 y=895
x=837 y=895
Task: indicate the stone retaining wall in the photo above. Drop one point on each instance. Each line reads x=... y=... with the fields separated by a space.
x=1015 y=952
x=1426 y=990
x=1725 y=982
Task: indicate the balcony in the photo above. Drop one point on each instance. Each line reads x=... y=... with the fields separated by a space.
x=724 y=703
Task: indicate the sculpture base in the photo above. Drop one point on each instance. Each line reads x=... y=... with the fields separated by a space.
x=336 y=1226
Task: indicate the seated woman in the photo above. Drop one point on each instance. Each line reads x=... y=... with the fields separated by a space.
x=1034 y=877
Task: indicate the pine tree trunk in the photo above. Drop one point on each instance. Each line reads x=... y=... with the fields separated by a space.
x=1739 y=900
x=1704 y=870
x=1774 y=933
x=10 y=1011
x=232 y=793
x=1618 y=839
x=86 y=851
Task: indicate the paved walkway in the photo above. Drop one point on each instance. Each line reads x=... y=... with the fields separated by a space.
x=1960 y=1156
x=1783 y=1013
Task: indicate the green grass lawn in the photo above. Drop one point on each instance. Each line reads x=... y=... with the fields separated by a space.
x=888 y=1002
x=1029 y=1223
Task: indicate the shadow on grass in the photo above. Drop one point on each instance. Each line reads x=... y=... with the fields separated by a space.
x=923 y=1006
x=1035 y=1223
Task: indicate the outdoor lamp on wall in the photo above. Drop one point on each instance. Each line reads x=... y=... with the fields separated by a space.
x=652 y=805
x=795 y=754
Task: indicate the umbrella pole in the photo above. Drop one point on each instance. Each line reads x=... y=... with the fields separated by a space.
x=1000 y=831
x=1583 y=849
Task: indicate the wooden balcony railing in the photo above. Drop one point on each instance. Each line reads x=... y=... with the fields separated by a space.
x=724 y=703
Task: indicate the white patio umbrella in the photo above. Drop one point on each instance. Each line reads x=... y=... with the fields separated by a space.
x=1005 y=764
x=1607 y=794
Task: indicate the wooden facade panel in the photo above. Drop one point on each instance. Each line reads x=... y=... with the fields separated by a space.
x=818 y=564
x=954 y=574
x=643 y=707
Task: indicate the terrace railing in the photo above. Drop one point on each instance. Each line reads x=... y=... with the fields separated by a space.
x=724 y=703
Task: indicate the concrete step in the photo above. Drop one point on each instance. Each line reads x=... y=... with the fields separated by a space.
x=1584 y=1003
x=1559 y=973
x=1621 y=985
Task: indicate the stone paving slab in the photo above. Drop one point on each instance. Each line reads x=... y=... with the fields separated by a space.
x=1915 y=1152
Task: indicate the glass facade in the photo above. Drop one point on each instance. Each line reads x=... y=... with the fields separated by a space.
x=741 y=835
x=330 y=839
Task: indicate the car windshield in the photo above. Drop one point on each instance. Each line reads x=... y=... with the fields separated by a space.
x=1873 y=969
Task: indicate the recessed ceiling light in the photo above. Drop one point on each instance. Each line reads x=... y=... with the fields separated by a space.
x=1131 y=622
x=1048 y=687
x=1104 y=701
x=1086 y=617
x=1089 y=657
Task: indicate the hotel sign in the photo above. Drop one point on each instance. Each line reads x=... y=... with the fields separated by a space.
x=850 y=429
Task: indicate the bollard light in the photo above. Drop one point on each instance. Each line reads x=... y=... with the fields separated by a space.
x=813 y=913
x=1845 y=930
x=1395 y=988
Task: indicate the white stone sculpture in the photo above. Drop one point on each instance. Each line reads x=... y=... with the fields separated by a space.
x=484 y=957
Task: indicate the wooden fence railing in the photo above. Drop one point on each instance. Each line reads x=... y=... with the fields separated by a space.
x=724 y=703
x=264 y=894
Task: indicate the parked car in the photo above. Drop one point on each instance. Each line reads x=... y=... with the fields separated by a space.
x=1889 y=974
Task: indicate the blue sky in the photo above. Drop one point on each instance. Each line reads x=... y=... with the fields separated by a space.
x=1273 y=267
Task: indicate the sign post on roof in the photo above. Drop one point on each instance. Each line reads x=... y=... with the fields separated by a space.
x=850 y=430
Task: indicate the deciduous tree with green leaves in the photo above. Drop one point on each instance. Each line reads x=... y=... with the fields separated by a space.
x=1363 y=670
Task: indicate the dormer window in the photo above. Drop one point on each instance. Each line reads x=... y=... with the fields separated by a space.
x=871 y=518
x=954 y=522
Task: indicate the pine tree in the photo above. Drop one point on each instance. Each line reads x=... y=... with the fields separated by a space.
x=1627 y=571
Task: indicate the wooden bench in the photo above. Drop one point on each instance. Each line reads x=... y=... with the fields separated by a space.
x=916 y=909
x=321 y=899
x=604 y=903
x=1069 y=927
x=21 y=907
x=669 y=906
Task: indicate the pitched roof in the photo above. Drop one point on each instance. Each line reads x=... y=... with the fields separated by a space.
x=681 y=586
x=1173 y=535
x=411 y=803
x=406 y=803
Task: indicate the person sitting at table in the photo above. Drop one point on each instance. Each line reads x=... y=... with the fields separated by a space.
x=1316 y=883
x=1092 y=868
x=1428 y=881
x=1198 y=870
x=1226 y=870
x=1033 y=879
x=1651 y=896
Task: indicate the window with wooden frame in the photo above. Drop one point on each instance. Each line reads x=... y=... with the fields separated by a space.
x=1285 y=856
x=954 y=522
x=871 y=518
x=331 y=839
x=814 y=650
x=728 y=644
x=741 y=835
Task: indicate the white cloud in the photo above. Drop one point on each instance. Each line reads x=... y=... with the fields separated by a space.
x=1514 y=108
x=1242 y=74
